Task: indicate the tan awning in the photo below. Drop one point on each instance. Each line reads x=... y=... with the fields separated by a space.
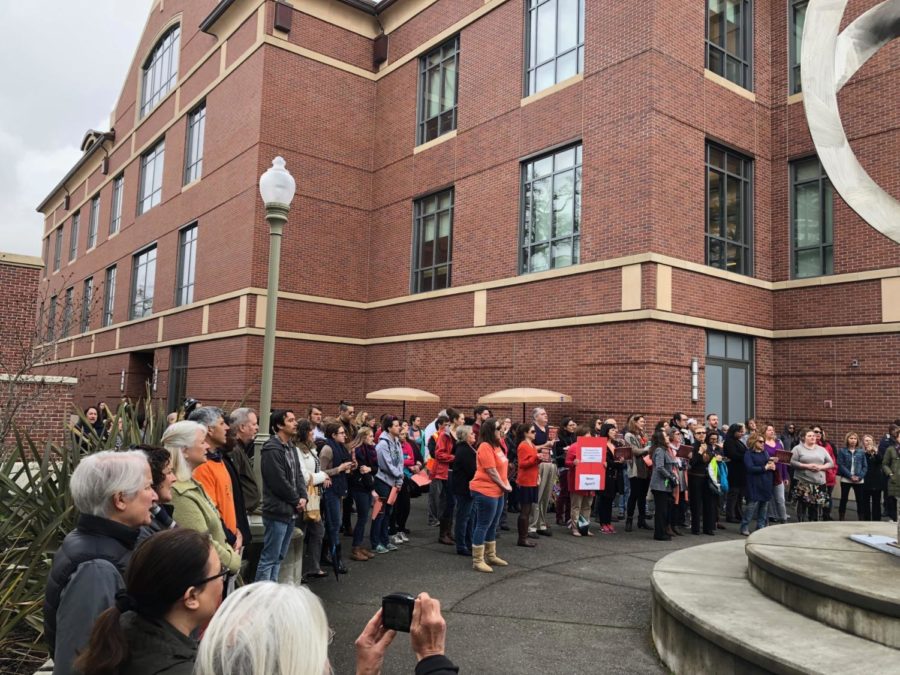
x=402 y=394
x=525 y=395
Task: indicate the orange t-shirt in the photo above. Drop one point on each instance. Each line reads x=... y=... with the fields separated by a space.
x=488 y=457
x=528 y=465
x=216 y=481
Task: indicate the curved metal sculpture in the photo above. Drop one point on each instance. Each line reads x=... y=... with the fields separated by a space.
x=828 y=59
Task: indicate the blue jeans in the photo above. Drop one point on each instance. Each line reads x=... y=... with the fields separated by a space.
x=276 y=541
x=381 y=526
x=465 y=523
x=758 y=509
x=626 y=491
x=363 y=501
x=487 y=516
x=331 y=506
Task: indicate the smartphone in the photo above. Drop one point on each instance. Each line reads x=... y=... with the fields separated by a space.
x=397 y=611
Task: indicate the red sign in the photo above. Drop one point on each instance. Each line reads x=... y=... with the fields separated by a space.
x=590 y=472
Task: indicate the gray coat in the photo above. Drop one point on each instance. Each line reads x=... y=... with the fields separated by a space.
x=664 y=467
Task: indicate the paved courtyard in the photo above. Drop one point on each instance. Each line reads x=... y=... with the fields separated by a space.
x=571 y=605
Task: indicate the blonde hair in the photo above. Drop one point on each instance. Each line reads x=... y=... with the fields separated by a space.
x=178 y=438
x=360 y=437
x=266 y=627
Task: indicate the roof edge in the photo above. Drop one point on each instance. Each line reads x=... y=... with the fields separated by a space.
x=368 y=6
x=105 y=136
x=20 y=260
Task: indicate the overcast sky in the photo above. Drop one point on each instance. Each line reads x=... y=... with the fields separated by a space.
x=62 y=65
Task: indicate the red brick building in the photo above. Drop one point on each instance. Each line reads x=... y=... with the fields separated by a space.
x=576 y=195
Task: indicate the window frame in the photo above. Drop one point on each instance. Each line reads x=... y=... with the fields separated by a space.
x=73 y=236
x=748 y=364
x=193 y=166
x=826 y=195
x=148 y=161
x=421 y=121
x=57 y=249
x=524 y=261
x=109 y=296
x=51 y=318
x=68 y=310
x=794 y=45
x=167 y=46
x=747 y=212
x=87 y=298
x=47 y=256
x=532 y=6
x=179 y=356
x=115 y=211
x=136 y=267
x=183 y=244
x=416 y=268
x=747 y=34
x=93 y=222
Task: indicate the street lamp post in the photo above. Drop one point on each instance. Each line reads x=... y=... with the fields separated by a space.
x=277 y=188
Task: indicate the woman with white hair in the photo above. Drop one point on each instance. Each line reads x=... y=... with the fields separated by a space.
x=113 y=493
x=186 y=443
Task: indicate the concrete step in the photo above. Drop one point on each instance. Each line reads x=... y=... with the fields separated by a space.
x=708 y=618
x=816 y=570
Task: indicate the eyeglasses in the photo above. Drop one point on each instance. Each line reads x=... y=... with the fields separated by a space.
x=223 y=573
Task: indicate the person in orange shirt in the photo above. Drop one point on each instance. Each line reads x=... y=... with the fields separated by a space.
x=213 y=474
x=527 y=480
x=487 y=488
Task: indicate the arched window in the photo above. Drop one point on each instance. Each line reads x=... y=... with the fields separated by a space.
x=160 y=70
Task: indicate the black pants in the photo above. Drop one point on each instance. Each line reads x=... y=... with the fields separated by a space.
x=734 y=505
x=400 y=512
x=857 y=495
x=662 y=501
x=869 y=505
x=891 y=507
x=604 y=505
x=703 y=504
x=639 y=487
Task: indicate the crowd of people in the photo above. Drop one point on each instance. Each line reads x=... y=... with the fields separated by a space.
x=164 y=533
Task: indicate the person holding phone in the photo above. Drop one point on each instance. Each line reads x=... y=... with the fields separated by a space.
x=487 y=487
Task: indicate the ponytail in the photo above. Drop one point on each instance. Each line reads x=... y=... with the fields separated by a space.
x=107 y=649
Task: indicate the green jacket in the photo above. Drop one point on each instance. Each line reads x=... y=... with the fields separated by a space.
x=891 y=468
x=155 y=647
x=194 y=510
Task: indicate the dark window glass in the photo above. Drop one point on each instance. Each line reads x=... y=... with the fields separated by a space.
x=798 y=19
x=193 y=155
x=151 y=177
x=109 y=296
x=57 y=250
x=67 y=312
x=87 y=298
x=73 y=235
x=143 y=282
x=551 y=214
x=116 y=205
x=187 y=262
x=729 y=190
x=94 y=222
x=555 y=42
x=438 y=85
x=46 y=256
x=160 y=70
x=178 y=370
x=729 y=377
x=51 y=319
x=729 y=40
x=812 y=219
x=433 y=242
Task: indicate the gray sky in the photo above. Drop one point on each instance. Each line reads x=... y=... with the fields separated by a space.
x=62 y=65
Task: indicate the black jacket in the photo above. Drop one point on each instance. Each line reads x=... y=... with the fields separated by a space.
x=240 y=455
x=155 y=647
x=564 y=440
x=874 y=479
x=464 y=465
x=93 y=538
x=283 y=485
x=436 y=665
x=237 y=490
x=737 y=472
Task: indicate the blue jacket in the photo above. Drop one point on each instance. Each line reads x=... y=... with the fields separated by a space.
x=852 y=463
x=760 y=485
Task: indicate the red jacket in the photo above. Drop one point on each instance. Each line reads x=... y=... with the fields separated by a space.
x=830 y=474
x=443 y=456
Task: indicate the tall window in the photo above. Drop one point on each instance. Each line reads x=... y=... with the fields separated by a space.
x=73 y=235
x=87 y=299
x=432 y=242
x=798 y=20
x=193 y=155
x=438 y=85
x=109 y=296
x=729 y=192
x=178 y=370
x=151 y=177
x=46 y=256
x=812 y=219
x=551 y=214
x=187 y=262
x=729 y=40
x=160 y=70
x=94 y=222
x=67 y=312
x=143 y=280
x=57 y=249
x=729 y=377
x=115 y=219
x=51 y=319
x=555 y=42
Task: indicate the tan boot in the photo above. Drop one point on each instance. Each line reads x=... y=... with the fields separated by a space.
x=478 y=563
x=490 y=554
x=358 y=555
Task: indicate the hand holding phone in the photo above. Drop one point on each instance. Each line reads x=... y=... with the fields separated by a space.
x=397 y=611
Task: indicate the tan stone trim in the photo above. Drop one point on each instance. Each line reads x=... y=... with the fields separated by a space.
x=204 y=322
x=93 y=343
x=118 y=335
x=664 y=288
x=549 y=91
x=18 y=260
x=242 y=311
x=223 y=57
x=39 y=379
x=729 y=85
x=832 y=279
x=890 y=300
x=320 y=58
x=795 y=98
x=341 y=15
x=631 y=287
x=72 y=348
x=480 y=308
x=159 y=327
x=259 y=321
x=194 y=183
x=260 y=22
x=394 y=17
x=434 y=141
x=838 y=331
x=708 y=271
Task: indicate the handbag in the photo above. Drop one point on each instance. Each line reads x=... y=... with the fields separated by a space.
x=313 y=512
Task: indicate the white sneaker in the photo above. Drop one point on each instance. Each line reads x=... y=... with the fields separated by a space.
x=403 y=537
x=397 y=539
